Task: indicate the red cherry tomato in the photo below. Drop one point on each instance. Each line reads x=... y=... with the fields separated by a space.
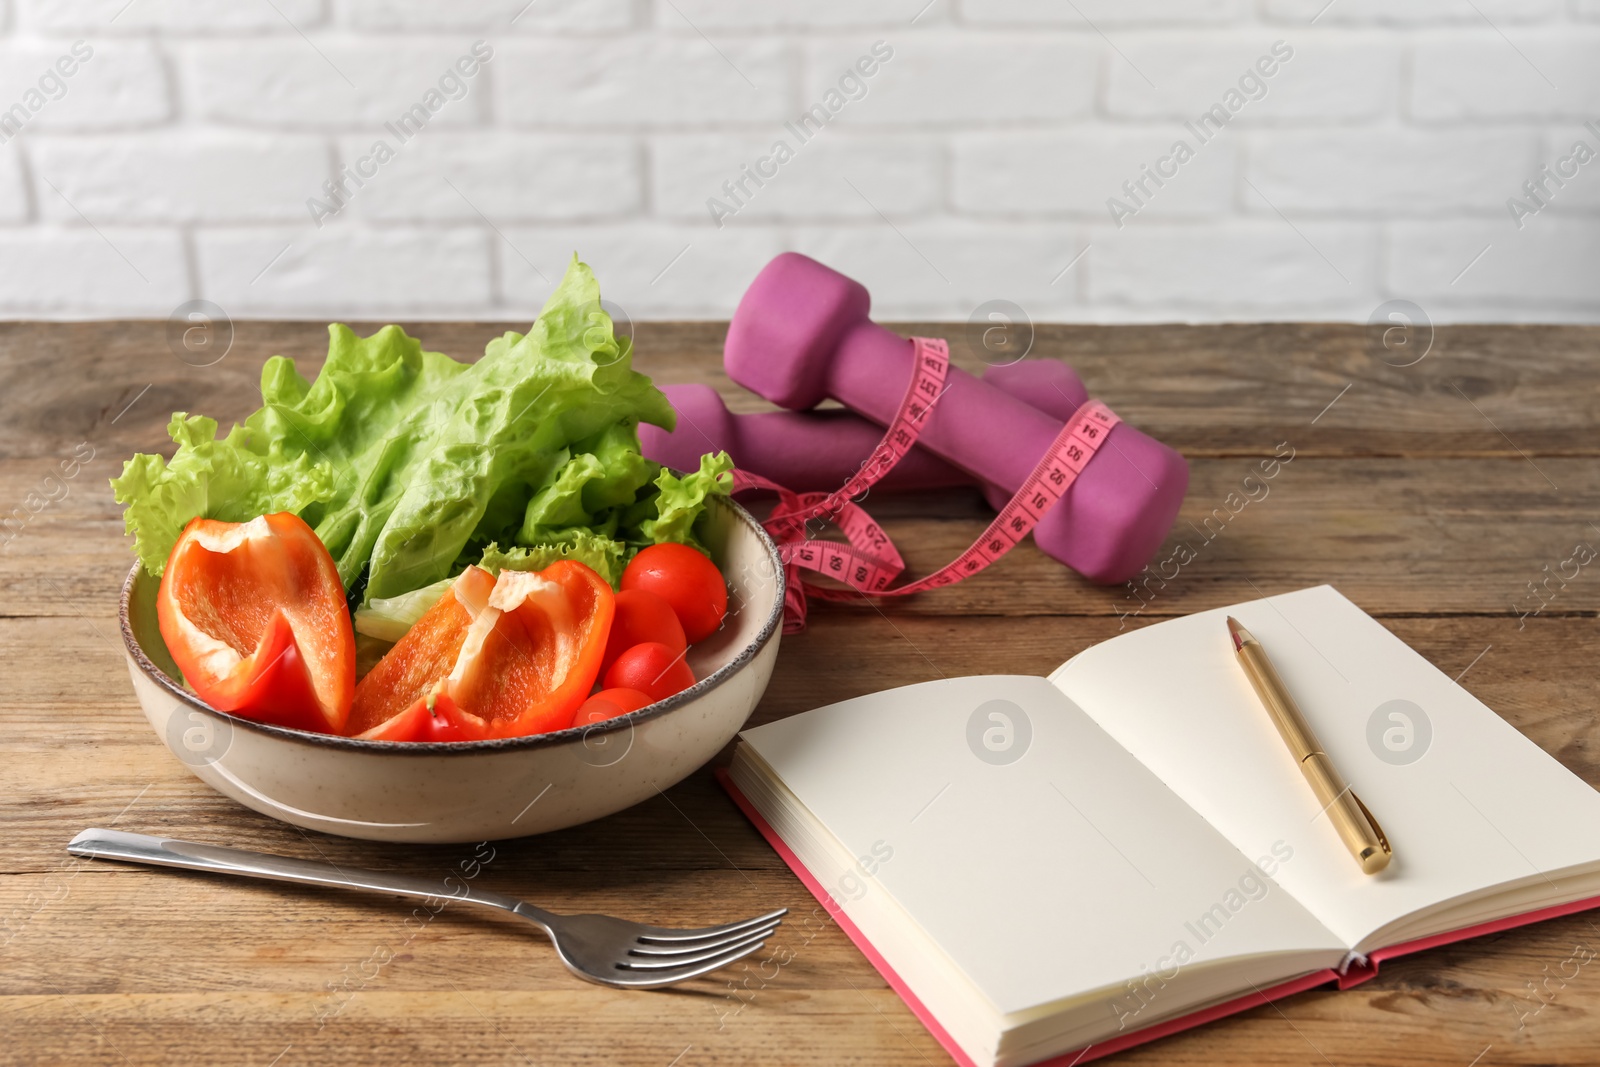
x=687 y=580
x=653 y=669
x=641 y=616
x=610 y=703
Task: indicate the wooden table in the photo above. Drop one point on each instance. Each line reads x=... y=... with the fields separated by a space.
x=1432 y=495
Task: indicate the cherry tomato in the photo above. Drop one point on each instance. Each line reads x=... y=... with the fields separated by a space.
x=687 y=580
x=641 y=616
x=610 y=703
x=653 y=669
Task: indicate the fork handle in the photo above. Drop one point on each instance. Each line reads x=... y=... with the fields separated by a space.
x=191 y=855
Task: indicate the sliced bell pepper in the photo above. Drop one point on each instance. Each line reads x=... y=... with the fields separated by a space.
x=499 y=657
x=440 y=721
x=395 y=701
x=254 y=615
x=531 y=659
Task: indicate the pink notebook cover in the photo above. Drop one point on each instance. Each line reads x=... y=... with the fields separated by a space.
x=1354 y=976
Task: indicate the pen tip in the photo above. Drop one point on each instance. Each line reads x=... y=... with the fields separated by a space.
x=1237 y=632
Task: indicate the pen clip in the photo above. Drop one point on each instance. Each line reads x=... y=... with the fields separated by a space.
x=1377 y=830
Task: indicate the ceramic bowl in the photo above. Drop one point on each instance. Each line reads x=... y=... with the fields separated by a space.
x=481 y=790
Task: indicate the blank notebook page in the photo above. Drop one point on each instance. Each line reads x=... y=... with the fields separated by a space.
x=1483 y=805
x=1071 y=869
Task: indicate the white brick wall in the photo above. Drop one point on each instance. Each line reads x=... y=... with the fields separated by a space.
x=13 y=190
x=164 y=176
x=177 y=158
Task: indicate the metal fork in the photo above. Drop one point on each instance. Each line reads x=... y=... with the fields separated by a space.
x=598 y=948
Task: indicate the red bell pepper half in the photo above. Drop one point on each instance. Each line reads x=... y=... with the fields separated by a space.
x=254 y=615
x=398 y=699
x=518 y=659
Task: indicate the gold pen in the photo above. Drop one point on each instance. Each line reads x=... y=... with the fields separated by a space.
x=1360 y=831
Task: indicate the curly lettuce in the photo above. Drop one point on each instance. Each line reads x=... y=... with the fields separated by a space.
x=605 y=556
x=679 y=502
x=223 y=479
x=408 y=463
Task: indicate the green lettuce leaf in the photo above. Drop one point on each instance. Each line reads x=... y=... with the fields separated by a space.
x=601 y=553
x=388 y=618
x=680 y=502
x=371 y=414
x=401 y=458
x=530 y=398
x=605 y=472
x=234 y=479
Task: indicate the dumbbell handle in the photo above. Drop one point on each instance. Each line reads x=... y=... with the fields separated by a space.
x=871 y=371
x=806 y=451
x=816 y=451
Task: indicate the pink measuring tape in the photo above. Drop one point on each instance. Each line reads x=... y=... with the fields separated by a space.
x=866 y=561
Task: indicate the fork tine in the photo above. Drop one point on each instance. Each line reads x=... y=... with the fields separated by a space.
x=683 y=948
x=638 y=961
x=647 y=979
x=665 y=935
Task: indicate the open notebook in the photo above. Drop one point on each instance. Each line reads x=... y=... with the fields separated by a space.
x=1128 y=849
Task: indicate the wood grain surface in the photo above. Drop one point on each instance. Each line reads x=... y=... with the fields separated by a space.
x=1436 y=495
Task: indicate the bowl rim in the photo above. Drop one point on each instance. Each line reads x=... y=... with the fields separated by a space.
x=769 y=628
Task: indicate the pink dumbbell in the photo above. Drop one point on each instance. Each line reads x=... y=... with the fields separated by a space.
x=801 y=334
x=820 y=450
